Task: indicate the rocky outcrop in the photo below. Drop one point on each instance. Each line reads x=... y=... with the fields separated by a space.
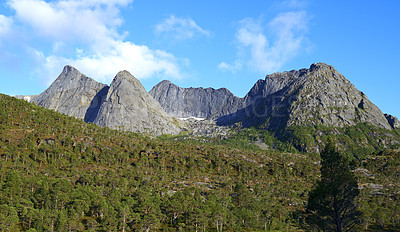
x=393 y=121
x=316 y=96
x=28 y=98
x=74 y=94
x=195 y=102
x=129 y=107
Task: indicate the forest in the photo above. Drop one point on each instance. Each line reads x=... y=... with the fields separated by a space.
x=58 y=173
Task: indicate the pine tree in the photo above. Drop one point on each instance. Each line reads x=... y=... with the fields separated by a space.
x=331 y=205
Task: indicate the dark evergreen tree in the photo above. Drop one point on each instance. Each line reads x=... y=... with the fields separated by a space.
x=331 y=204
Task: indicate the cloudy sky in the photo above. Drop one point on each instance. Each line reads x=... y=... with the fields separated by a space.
x=200 y=43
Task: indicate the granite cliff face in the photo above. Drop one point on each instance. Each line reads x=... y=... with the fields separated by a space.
x=195 y=102
x=124 y=105
x=319 y=95
x=74 y=94
x=129 y=107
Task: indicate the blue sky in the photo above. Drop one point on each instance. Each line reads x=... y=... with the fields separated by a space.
x=201 y=43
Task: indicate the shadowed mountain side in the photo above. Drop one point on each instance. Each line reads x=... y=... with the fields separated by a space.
x=94 y=107
x=270 y=112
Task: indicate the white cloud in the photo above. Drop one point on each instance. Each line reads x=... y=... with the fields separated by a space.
x=141 y=61
x=138 y=59
x=70 y=19
x=237 y=65
x=268 y=52
x=300 y=4
x=180 y=28
x=5 y=24
x=84 y=34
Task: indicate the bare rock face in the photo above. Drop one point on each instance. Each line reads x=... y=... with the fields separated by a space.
x=316 y=96
x=393 y=121
x=129 y=107
x=195 y=102
x=73 y=94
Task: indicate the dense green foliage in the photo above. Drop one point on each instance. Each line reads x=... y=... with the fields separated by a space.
x=248 y=138
x=359 y=140
x=58 y=173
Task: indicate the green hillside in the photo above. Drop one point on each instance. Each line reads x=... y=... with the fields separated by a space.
x=58 y=173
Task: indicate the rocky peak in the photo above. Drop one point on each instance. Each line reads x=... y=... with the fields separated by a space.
x=125 y=82
x=165 y=82
x=70 y=71
x=129 y=107
x=72 y=93
x=324 y=96
x=273 y=83
x=317 y=66
x=127 y=76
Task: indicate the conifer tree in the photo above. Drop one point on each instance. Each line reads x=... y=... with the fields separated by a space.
x=331 y=204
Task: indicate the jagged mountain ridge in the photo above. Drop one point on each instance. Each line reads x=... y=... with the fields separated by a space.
x=124 y=104
x=319 y=95
x=195 y=102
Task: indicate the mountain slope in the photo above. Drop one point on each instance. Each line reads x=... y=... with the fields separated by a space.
x=129 y=107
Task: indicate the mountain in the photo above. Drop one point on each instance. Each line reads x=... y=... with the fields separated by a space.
x=319 y=95
x=73 y=94
x=195 y=102
x=124 y=105
x=129 y=107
